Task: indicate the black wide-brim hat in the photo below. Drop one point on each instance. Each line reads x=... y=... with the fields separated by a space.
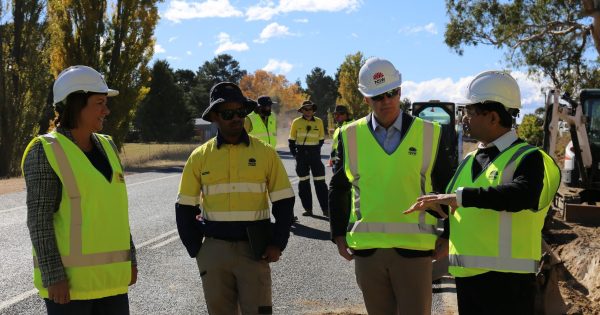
x=264 y=100
x=227 y=92
x=306 y=104
x=342 y=109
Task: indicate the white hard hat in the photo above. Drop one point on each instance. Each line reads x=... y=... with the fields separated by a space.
x=79 y=78
x=497 y=86
x=378 y=76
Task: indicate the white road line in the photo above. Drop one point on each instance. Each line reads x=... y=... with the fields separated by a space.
x=12 y=209
x=152 y=180
x=17 y=299
x=165 y=242
x=152 y=240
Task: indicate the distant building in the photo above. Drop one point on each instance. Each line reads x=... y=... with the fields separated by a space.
x=204 y=130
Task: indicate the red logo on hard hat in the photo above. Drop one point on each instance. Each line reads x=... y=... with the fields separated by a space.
x=378 y=75
x=378 y=78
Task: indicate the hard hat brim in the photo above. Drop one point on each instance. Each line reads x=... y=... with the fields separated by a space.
x=111 y=93
x=363 y=90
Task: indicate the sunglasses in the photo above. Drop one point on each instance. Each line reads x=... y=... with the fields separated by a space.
x=228 y=114
x=306 y=109
x=389 y=94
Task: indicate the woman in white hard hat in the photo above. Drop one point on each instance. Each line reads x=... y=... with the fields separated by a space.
x=77 y=214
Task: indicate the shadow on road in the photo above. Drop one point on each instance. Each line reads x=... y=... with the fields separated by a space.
x=299 y=229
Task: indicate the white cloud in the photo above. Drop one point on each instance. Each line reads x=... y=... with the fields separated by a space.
x=265 y=10
x=158 y=49
x=273 y=30
x=429 y=28
x=278 y=67
x=446 y=89
x=301 y=20
x=226 y=44
x=173 y=58
x=172 y=39
x=199 y=44
x=189 y=53
x=183 y=10
x=354 y=35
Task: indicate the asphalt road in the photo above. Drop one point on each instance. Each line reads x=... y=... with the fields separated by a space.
x=310 y=278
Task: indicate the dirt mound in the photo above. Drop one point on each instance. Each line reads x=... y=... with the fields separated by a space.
x=578 y=247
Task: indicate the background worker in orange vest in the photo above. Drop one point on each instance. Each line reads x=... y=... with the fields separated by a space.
x=83 y=251
x=261 y=123
x=307 y=136
x=227 y=184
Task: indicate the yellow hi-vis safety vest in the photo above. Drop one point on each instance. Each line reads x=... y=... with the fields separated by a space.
x=385 y=185
x=266 y=133
x=92 y=222
x=483 y=240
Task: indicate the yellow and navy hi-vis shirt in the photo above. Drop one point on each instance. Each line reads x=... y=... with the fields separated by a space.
x=234 y=182
x=307 y=132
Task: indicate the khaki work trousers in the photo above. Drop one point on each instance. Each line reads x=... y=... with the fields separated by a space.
x=393 y=284
x=232 y=280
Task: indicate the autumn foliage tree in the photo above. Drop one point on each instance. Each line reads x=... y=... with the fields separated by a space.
x=348 y=85
x=287 y=95
x=119 y=45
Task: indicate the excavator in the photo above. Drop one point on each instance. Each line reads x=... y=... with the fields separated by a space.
x=579 y=195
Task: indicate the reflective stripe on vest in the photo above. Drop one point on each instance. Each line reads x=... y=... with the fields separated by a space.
x=504 y=261
x=226 y=188
x=250 y=215
x=76 y=258
x=370 y=229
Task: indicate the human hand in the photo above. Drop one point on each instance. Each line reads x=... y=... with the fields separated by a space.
x=343 y=248
x=272 y=253
x=134 y=272
x=441 y=248
x=59 y=292
x=433 y=202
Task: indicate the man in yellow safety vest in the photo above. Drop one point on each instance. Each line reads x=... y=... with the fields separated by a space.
x=498 y=199
x=384 y=161
x=261 y=123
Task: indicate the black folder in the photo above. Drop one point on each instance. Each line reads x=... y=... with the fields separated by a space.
x=259 y=236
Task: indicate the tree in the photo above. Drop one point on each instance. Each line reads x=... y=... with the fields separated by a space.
x=119 y=46
x=222 y=68
x=286 y=94
x=162 y=115
x=531 y=128
x=322 y=89
x=24 y=77
x=348 y=85
x=405 y=104
x=549 y=37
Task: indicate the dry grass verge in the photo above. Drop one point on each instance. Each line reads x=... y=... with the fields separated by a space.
x=137 y=157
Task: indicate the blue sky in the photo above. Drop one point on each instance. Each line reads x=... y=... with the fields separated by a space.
x=291 y=37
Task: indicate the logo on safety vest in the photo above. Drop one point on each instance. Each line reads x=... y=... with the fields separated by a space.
x=493 y=175
x=251 y=162
x=412 y=151
x=378 y=78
